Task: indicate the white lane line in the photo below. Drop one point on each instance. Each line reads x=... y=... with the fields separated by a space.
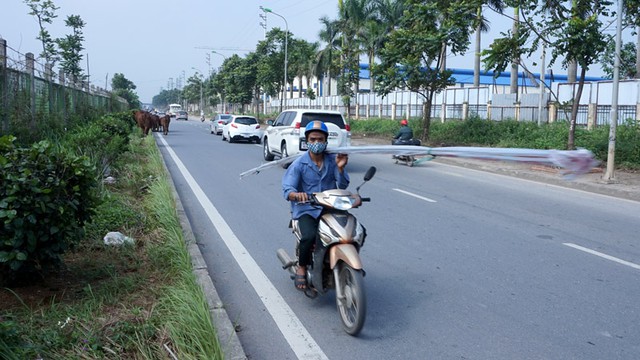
x=605 y=256
x=301 y=342
x=415 y=196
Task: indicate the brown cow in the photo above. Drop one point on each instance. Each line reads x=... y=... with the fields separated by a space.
x=164 y=121
x=155 y=122
x=143 y=121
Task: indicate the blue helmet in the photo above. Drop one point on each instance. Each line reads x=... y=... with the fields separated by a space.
x=316 y=126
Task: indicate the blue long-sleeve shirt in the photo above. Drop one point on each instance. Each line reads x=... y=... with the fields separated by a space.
x=303 y=175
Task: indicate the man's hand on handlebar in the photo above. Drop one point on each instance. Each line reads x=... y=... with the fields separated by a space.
x=300 y=197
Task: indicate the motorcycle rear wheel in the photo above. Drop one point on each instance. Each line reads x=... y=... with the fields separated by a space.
x=353 y=306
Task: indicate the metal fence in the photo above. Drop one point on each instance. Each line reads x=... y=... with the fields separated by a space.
x=29 y=92
x=487 y=102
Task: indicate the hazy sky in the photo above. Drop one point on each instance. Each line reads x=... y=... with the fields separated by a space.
x=150 y=41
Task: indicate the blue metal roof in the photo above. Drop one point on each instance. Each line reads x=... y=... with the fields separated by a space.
x=465 y=76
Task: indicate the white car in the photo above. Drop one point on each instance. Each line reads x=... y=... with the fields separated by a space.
x=218 y=122
x=242 y=127
x=285 y=135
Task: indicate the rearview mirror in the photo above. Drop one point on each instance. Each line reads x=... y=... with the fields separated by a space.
x=269 y=122
x=369 y=174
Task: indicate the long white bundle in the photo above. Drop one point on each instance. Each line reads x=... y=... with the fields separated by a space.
x=573 y=162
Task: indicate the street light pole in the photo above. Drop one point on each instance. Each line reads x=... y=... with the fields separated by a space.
x=286 y=40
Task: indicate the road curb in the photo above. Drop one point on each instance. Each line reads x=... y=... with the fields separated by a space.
x=227 y=337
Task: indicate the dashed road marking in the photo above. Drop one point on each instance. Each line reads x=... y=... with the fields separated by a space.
x=604 y=256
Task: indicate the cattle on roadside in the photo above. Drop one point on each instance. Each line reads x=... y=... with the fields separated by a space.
x=155 y=122
x=164 y=122
x=142 y=120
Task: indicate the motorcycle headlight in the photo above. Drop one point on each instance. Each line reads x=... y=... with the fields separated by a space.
x=342 y=202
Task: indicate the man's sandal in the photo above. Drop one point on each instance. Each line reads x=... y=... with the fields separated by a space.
x=300 y=282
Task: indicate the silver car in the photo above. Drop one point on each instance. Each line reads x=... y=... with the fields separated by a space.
x=182 y=115
x=218 y=122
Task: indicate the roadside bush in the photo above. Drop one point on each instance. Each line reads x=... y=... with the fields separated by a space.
x=46 y=196
x=103 y=141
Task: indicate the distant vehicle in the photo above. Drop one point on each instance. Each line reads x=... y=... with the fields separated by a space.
x=242 y=127
x=173 y=109
x=218 y=122
x=181 y=114
x=285 y=136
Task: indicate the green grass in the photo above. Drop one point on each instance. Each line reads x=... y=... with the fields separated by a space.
x=132 y=302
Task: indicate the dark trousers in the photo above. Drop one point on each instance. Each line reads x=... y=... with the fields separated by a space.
x=308 y=230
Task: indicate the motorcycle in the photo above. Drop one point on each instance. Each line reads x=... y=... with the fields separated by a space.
x=406 y=159
x=335 y=256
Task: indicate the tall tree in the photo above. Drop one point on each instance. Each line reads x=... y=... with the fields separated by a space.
x=482 y=25
x=240 y=83
x=124 y=87
x=573 y=30
x=270 y=69
x=325 y=57
x=412 y=54
x=303 y=55
x=386 y=15
x=352 y=17
x=44 y=12
x=71 y=48
x=632 y=18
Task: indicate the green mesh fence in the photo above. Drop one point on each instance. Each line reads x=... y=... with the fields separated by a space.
x=26 y=99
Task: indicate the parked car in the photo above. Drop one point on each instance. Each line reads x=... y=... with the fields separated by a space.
x=218 y=122
x=242 y=127
x=285 y=134
x=182 y=115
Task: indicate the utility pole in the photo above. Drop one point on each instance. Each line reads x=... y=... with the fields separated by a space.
x=611 y=153
x=286 y=40
x=263 y=23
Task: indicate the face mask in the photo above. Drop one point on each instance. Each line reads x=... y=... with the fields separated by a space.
x=317 y=147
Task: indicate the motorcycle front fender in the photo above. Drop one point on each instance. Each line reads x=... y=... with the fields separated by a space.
x=346 y=253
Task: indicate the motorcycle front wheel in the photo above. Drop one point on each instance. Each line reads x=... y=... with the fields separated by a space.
x=353 y=304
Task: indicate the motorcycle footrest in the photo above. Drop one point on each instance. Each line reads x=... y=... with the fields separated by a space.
x=289 y=264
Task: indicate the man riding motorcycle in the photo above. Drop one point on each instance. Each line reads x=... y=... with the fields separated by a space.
x=314 y=171
x=404 y=136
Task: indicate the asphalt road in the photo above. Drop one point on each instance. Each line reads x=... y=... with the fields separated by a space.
x=461 y=264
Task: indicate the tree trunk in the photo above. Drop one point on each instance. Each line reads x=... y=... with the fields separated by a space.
x=574 y=111
x=426 y=118
x=300 y=86
x=371 y=80
x=476 y=62
x=572 y=71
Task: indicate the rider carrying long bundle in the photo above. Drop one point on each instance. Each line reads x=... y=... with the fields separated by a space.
x=404 y=135
x=314 y=171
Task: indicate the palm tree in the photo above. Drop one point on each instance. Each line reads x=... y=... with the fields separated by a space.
x=382 y=21
x=482 y=25
x=353 y=15
x=372 y=36
x=324 y=59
